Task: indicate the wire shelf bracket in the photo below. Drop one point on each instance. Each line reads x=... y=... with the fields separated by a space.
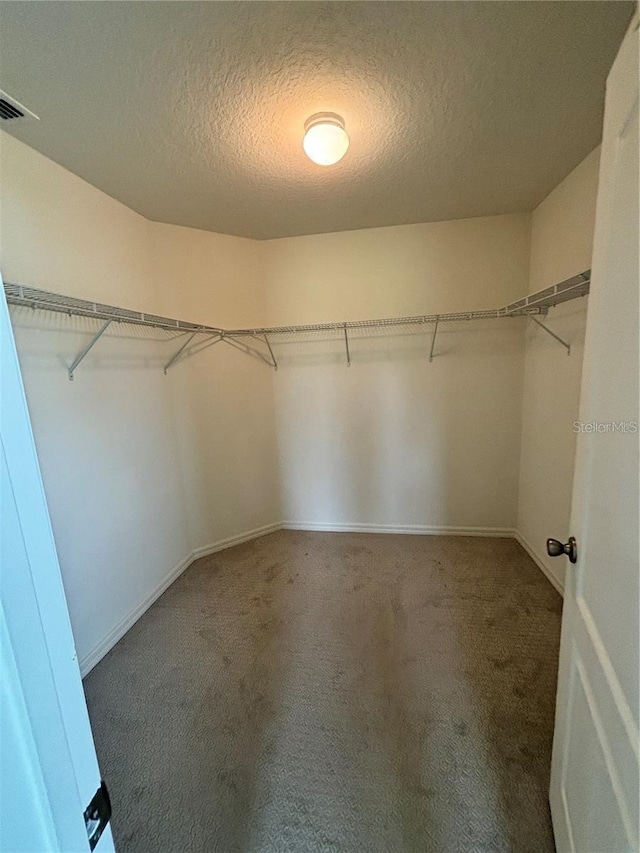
x=535 y=305
x=178 y=353
x=346 y=344
x=273 y=358
x=245 y=348
x=433 y=340
x=94 y=340
x=553 y=334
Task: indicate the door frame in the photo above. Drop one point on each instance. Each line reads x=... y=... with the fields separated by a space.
x=44 y=707
x=580 y=673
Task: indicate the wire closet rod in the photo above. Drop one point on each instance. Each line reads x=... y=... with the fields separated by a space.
x=535 y=303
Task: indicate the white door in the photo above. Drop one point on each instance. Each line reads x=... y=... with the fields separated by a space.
x=594 y=778
x=48 y=767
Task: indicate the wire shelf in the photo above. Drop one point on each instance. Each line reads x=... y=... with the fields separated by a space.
x=31 y=297
x=571 y=288
x=531 y=305
x=535 y=303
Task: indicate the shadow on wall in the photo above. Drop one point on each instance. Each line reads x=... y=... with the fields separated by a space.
x=106 y=447
x=223 y=407
x=206 y=430
x=123 y=346
x=396 y=440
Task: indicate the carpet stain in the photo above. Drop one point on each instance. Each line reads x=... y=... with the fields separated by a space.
x=319 y=692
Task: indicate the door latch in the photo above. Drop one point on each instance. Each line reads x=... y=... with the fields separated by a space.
x=97 y=814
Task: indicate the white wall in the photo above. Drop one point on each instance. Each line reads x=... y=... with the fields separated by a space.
x=137 y=466
x=141 y=470
x=106 y=441
x=394 y=441
x=561 y=239
x=223 y=400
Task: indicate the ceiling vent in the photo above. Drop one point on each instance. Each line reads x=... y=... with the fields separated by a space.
x=12 y=110
x=8 y=111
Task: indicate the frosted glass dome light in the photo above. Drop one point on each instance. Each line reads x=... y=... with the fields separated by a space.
x=325 y=139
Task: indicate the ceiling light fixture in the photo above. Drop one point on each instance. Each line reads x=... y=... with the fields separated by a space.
x=325 y=139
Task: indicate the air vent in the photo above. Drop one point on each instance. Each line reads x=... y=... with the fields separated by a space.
x=12 y=110
x=8 y=111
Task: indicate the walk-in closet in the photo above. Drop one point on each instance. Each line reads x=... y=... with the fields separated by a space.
x=319 y=379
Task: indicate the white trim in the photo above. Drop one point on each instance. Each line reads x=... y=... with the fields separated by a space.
x=619 y=698
x=538 y=560
x=414 y=529
x=236 y=540
x=609 y=760
x=96 y=654
x=36 y=618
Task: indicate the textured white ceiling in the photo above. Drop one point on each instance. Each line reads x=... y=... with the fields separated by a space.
x=193 y=113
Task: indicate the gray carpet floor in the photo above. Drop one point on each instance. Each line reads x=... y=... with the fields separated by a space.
x=343 y=692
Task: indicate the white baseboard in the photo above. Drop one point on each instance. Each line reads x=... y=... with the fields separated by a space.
x=414 y=529
x=88 y=661
x=539 y=561
x=431 y=530
x=98 y=652
x=236 y=540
